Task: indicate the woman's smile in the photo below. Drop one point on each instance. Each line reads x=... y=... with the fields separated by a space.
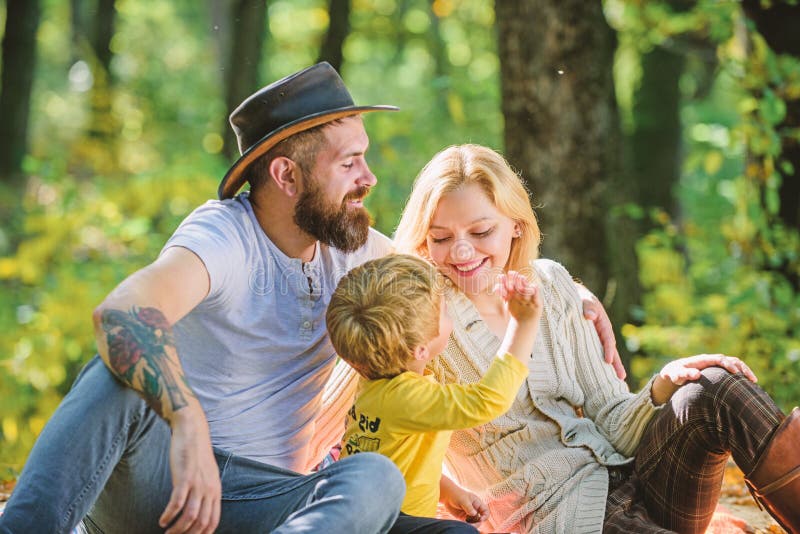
x=470 y=268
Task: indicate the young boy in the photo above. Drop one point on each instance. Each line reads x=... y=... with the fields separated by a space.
x=387 y=319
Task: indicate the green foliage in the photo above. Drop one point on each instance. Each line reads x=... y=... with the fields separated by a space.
x=719 y=279
x=80 y=239
x=726 y=307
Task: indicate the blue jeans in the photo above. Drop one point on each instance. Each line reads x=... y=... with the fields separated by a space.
x=410 y=524
x=104 y=458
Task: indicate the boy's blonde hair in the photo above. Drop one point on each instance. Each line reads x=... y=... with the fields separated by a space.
x=459 y=166
x=381 y=311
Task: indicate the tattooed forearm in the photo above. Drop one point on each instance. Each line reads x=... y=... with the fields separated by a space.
x=141 y=351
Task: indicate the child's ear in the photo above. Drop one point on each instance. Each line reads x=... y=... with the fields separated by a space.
x=421 y=352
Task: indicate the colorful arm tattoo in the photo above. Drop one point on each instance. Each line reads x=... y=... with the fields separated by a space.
x=138 y=342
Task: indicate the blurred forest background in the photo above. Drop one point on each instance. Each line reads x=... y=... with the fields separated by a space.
x=660 y=140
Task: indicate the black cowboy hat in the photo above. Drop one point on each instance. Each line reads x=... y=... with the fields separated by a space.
x=300 y=101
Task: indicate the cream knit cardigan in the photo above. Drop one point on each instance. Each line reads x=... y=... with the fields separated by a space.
x=540 y=467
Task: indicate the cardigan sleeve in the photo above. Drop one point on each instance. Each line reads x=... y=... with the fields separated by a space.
x=619 y=415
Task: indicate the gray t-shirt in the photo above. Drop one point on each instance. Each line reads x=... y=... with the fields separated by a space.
x=255 y=350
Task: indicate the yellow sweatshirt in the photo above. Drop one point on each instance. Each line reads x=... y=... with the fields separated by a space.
x=409 y=419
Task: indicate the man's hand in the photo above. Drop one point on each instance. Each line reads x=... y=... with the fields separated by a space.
x=678 y=372
x=195 y=502
x=593 y=311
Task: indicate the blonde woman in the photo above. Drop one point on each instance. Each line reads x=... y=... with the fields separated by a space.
x=578 y=452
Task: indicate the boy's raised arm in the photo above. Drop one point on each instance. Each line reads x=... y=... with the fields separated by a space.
x=525 y=307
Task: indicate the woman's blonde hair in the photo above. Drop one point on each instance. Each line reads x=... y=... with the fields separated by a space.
x=382 y=310
x=459 y=166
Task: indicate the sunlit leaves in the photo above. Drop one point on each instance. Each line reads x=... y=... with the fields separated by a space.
x=773 y=109
x=416 y=20
x=80 y=240
x=718 y=284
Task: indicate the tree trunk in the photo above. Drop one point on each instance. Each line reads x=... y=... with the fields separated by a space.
x=77 y=28
x=655 y=143
x=248 y=20
x=338 y=30
x=438 y=49
x=16 y=84
x=401 y=35
x=653 y=149
x=102 y=126
x=219 y=12
x=102 y=32
x=651 y=171
x=561 y=122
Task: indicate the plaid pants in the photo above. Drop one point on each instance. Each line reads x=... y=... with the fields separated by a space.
x=679 y=464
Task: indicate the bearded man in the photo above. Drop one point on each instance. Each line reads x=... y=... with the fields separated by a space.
x=216 y=354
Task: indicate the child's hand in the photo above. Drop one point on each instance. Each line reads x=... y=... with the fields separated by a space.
x=466 y=506
x=522 y=296
x=525 y=306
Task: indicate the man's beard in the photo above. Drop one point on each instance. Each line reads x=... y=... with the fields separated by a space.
x=343 y=227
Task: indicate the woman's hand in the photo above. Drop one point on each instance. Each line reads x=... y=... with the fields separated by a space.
x=676 y=373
